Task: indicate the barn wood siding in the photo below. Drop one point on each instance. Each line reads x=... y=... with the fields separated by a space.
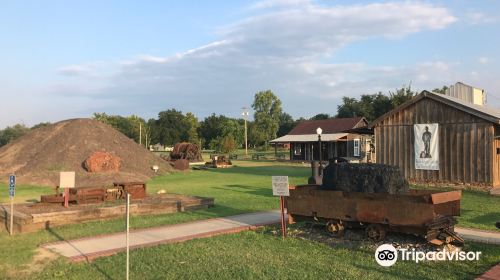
x=496 y=159
x=466 y=143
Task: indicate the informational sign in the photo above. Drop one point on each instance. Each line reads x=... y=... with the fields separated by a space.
x=426 y=146
x=280 y=186
x=12 y=185
x=67 y=180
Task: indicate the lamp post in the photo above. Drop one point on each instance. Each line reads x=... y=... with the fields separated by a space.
x=245 y=116
x=319 y=131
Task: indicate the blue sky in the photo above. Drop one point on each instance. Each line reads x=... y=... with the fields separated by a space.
x=66 y=59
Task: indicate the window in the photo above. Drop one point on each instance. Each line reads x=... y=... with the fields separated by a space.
x=356 y=147
x=297 y=149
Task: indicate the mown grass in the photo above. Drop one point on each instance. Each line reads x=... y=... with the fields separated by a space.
x=24 y=193
x=236 y=190
x=257 y=255
x=244 y=188
x=477 y=209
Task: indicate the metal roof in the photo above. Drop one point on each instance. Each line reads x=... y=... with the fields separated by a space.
x=485 y=112
x=328 y=126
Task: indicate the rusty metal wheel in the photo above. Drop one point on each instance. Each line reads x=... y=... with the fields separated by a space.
x=375 y=232
x=335 y=229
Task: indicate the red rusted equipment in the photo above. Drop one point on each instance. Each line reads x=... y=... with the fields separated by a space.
x=137 y=190
x=86 y=195
x=421 y=212
x=219 y=161
x=188 y=151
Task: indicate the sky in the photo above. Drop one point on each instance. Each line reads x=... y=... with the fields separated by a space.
x=69 y=59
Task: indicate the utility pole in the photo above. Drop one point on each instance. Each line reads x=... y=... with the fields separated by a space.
x=245 y=116
x=140 y=134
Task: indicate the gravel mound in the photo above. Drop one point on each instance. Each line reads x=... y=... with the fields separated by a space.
x=38 y=157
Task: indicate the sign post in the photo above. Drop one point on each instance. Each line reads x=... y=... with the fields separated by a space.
x=12 y=190
x=128 y=233
x=66 y=181
x=280 y=188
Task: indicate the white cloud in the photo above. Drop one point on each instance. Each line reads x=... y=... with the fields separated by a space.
x=284 y=49
x=483 y=60
x=266 y=4
x=479 y=18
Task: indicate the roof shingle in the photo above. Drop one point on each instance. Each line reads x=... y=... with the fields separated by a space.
x=329 y=126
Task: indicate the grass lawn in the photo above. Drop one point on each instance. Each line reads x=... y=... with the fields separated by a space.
x=244 y=188
x=24 y=193
x=477 y=210
x=257 y=255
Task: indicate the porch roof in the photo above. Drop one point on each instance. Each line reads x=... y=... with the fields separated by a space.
x=309 y=138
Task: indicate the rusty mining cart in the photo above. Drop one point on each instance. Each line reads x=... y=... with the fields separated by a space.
x=430 y=214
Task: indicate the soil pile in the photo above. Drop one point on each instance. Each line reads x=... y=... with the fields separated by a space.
x=39 y=156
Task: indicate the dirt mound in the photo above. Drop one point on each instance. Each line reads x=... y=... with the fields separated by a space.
x=39 y=156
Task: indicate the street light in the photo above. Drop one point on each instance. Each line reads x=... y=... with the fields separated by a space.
x=319 y=131
x=245 y=116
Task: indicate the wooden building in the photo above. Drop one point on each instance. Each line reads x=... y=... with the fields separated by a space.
x=335 y=140
x=468 y=144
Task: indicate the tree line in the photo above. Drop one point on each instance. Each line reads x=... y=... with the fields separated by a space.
x=225 y=134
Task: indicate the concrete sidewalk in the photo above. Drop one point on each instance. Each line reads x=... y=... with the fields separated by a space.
x=478 y=235
x=92 y=247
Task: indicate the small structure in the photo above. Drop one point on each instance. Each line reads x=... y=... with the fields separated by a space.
x=440 y=138
x=335 y=141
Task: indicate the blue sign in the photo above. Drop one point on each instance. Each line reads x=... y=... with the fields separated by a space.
x=12 y=185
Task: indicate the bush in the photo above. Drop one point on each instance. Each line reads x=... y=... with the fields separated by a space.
x=224 y=145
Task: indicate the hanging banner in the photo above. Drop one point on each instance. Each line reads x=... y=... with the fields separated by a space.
x=426 y=146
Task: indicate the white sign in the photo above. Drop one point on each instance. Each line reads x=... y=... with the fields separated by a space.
x=426 y=146
x=280 y=186
x=67 y=179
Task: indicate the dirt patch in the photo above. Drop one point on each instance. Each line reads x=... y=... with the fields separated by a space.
x=41 y=258
x=39 y=156
x=356 y=238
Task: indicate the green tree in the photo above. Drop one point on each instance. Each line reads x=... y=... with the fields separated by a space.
x=401 y=95
x=171 y=127
x=267 y=112
x=440 y=90
x=215 y=127
x=11 y=133
x=286 y=124
x=42 y=124
x=372 y=106
x=349 y=108
x=131 y=126
x=192 y=125
x=321 y=116
x=224 y=144
x=211 y=128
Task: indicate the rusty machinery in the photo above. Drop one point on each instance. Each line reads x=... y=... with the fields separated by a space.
x=430 y=214
x=86 y=195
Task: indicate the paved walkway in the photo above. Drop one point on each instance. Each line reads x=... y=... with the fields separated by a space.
x=478 y=235
x=92 y=247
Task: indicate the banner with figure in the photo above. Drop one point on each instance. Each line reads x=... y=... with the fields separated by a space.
x=426 y=146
